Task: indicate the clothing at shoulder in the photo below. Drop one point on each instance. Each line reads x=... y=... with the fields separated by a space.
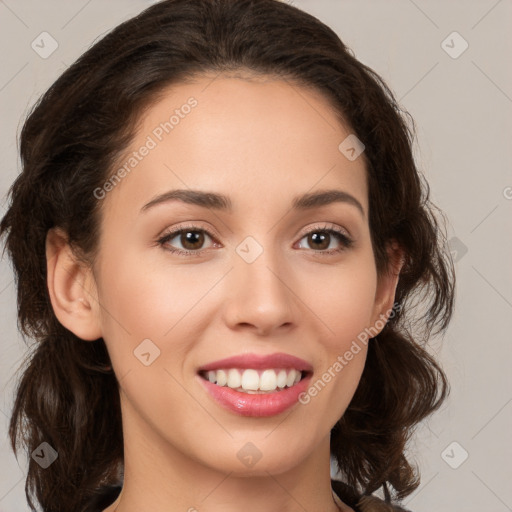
x=362 y=503
x=102 y=498
x=108 y=494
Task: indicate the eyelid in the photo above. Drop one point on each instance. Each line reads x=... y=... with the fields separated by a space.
x=325 y=226
x=192 y=226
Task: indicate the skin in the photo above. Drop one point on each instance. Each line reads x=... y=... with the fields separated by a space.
x=260 y=141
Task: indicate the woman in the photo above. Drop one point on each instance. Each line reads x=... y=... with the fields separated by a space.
x=218 y=234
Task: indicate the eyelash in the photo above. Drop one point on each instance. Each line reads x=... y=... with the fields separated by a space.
x=345 y=241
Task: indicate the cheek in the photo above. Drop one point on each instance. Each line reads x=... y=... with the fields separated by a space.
x=147 y=303
x=343 y=299
x=147 y=300
x=344 y=302
x=345 y=306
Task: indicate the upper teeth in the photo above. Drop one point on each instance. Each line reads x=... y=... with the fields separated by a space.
x=253 y=380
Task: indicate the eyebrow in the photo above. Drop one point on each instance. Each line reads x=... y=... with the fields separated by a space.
x=215 y=201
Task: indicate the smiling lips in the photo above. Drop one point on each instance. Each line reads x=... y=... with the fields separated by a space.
x=256 y=385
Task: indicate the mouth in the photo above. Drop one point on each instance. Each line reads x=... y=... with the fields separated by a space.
x=255 y=380
x=256 y=385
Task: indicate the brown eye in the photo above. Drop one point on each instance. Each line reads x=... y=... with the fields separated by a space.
x=320 y=240
x=192 y=240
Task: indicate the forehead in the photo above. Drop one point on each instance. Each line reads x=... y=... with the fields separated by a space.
x=259 y=137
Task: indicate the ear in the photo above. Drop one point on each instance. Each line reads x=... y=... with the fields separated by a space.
x=386 y=286
x=72 y=288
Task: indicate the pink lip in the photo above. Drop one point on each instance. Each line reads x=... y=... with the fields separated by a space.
x=257 y=405
x=258 y=362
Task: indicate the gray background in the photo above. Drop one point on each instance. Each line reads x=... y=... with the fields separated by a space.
x=462 y=107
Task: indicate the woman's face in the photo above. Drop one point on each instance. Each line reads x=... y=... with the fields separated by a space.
x=262 y=276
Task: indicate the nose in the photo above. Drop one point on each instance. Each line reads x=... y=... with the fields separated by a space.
x=260 y=297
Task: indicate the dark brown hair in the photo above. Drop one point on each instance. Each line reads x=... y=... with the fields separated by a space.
x=69 y=146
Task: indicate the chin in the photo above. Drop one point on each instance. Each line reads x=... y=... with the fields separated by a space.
x=249 y=461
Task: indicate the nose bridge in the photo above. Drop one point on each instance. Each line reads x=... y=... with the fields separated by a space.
x=261 y=294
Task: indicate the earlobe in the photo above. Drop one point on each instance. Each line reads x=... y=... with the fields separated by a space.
x=71 y=287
